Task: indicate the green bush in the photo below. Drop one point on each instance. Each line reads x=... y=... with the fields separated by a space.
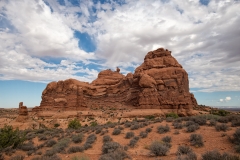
x=56 y=125
x=94 y=123
x=74 y=124
x=221 y=112
x=10 y=137
x=149 y=117
x=172 y=114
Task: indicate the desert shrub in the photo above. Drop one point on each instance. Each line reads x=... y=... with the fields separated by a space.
x=135 y=126
x=132 y=142
x=118 y=154
x=177 y=125
x=149 y=117
x=212 y=122
x=90 y=140
x=29 y=153
x=188 y=123
x=223 y=120
x=116 y=131
x=169 y=119
x=158 y=148
x=158 y=120
x=10 y=137
x=58 y=147
x=50 y=143
x=188 y=156
x=52 y=157
x=143 y=134
x=120 y=127
x=129 y=135
x=221 y=127
x=172 y=114
x=42 y=137
x=167 y=139
x=180 y=119
x=56 y=125
x=110 y=147
x=40 y=130
x=94 y=123
x=236 y=122
x=183 y=150
x=192 y=128
x=75 y=149
x=74 y=124
x=30 y=136
x=148 y=130
x=221 y=112
x=236 y=140
x=27 y=146
x=106 y=138
x=77 y=138
x=87 y=146
x=163 y=129
x=227 y=156
x=127 y=124
x=201 y=120
x=196 y=140
x=17 y=157
x=211 y=155
x=50 y=153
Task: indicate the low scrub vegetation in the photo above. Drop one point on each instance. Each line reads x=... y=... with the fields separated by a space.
x=158 y=149
x=216 y=155
x=196 y=140
x=163 y=129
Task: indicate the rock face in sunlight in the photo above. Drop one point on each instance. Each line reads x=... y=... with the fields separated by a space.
x=159 y=82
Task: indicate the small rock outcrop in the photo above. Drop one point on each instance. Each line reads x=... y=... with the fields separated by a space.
x=22 y=113
x=159 y=82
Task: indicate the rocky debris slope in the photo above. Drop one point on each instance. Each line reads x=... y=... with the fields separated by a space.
x=159 y=82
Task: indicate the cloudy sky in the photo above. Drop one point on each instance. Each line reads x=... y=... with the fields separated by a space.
x=51 y=40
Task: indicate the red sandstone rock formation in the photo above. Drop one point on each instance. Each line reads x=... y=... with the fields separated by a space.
x=159 y=82
x=22 y=113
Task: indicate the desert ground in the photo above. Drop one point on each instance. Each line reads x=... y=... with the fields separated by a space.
x=121 y=138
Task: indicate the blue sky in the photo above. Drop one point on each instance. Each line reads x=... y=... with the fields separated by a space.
x=61 y=39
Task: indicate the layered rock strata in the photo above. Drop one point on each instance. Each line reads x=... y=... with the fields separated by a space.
x=159 y=82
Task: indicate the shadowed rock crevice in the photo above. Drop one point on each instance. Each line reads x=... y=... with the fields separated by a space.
x=159 y=82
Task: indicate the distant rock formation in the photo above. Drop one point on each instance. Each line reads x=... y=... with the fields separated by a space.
x=22 y=113
x=159 y=82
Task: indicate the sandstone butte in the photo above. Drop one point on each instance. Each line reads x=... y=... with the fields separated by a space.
x=159 y=82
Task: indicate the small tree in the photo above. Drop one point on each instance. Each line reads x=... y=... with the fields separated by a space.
x=10 y=137
x=74 y=124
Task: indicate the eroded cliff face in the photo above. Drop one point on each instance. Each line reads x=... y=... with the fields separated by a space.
x=159 y=82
